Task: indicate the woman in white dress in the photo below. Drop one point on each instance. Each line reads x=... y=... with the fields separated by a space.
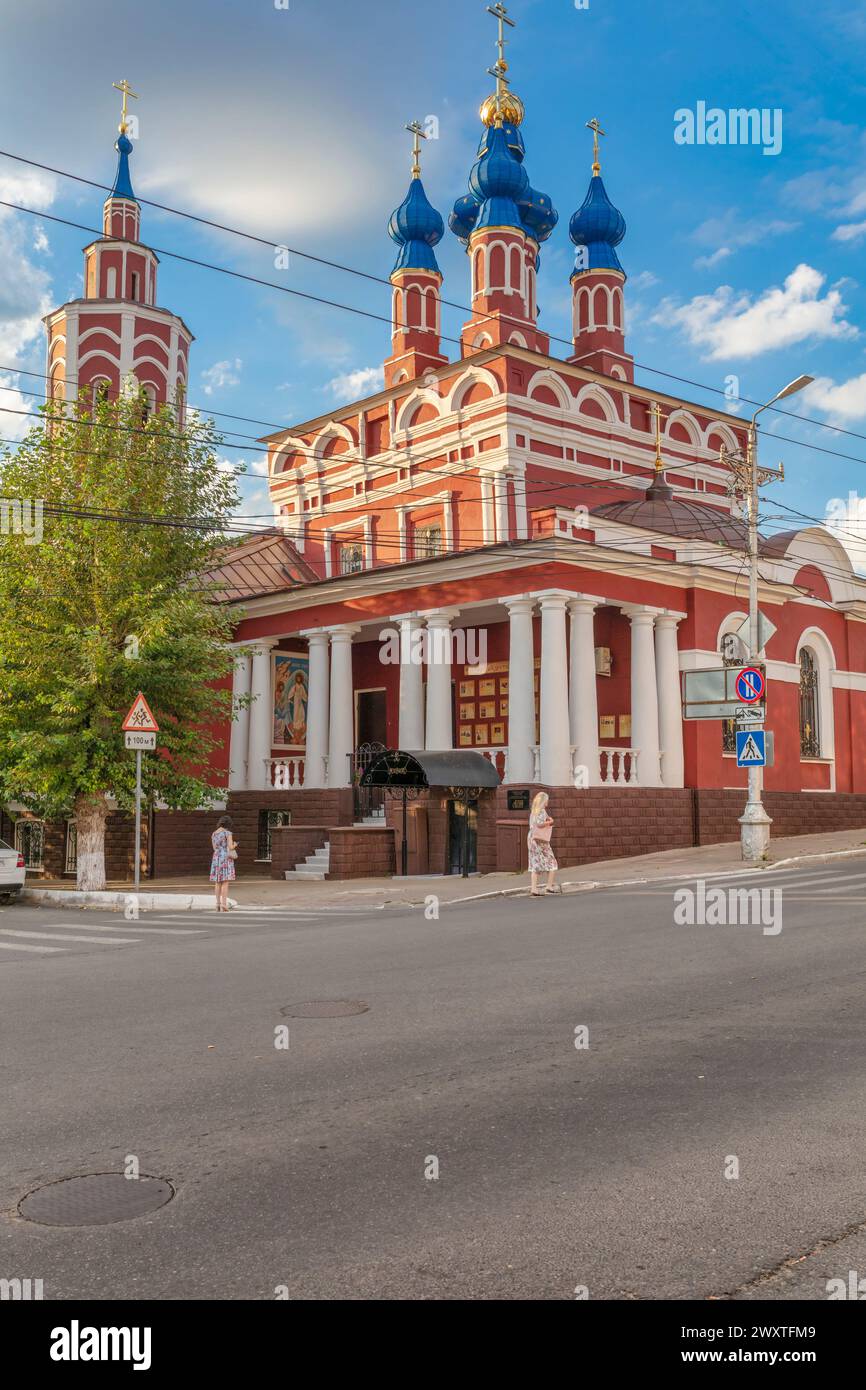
x=541 y=857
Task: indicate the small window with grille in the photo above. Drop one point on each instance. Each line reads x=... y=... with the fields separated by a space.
x=70 y=863
x=268 y=821
x=29 y=841
x=428 y=541
x=351 y=557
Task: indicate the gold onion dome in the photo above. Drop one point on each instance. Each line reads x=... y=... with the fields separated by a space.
x=512 y=108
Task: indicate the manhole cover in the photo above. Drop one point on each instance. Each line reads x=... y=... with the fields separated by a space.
x=325 y=1008
x=94 y=1200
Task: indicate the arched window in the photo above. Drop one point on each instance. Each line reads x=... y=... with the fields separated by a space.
x=497 y=268
x=148 y=401
x=810 y=713
x=101 y=391
x=516 y=266
x=733 y=653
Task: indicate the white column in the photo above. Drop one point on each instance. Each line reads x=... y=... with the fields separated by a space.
x=261 y=717
x=670 y=702
x=411 y=726
x=520 y=512
x=341 y=732
x=239 y=738
x=500 y=493
x=439 y=734
x=487 y=517
x=521 y=690
x=318 y=706
x=583 y=700
x=555 y=734
x=644 y=696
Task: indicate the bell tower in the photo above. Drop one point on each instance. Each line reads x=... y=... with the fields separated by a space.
x=116 y=338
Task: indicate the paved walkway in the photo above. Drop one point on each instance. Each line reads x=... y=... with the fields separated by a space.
x=698 y=862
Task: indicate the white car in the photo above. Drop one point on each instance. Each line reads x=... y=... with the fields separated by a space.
x=12 y=872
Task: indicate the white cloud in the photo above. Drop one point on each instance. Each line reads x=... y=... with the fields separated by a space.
x=15 y=426
x=354 y=386
x=24 y=286
x=727 y=324
x=843 y=402
x=846 y=518
x=707 y=262
x=849 y=231
x=221 y=375
x=644 y=280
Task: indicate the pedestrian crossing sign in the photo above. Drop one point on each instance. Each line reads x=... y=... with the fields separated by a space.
x=751 y=748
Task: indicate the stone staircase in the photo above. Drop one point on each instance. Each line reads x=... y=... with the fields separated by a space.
x=315 y=865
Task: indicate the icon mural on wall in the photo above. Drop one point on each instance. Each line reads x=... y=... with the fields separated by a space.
x=291 y=689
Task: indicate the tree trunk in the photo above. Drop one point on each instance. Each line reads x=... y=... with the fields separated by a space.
x=91 y=814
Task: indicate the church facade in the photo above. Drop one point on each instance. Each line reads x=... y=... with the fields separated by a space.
x=506 y=550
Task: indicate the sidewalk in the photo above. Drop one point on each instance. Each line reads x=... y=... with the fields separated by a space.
x=703 y=861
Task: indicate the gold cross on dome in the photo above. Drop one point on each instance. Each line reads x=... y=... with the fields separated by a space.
x=500 y=14
x=417 y=131
x=127 y=91
x=596 y=129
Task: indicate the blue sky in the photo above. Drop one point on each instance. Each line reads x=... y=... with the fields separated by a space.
x=288 y=123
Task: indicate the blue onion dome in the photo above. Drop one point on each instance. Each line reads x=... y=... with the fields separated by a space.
x=463 y=218
x=538 y=215
x=598 y=226
x=416 y=227
x=122 y=187
x=496 y=173
x=513 y=139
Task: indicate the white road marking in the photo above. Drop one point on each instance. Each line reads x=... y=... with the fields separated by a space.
x=44 y=950
x=89 y=940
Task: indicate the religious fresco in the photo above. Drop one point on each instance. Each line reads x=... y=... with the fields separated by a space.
x=291 y=686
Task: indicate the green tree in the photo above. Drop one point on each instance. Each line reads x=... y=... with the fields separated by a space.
x=105 y=597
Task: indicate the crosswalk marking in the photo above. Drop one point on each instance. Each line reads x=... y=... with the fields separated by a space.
x=56 y=936
x=139 y=927
x=20 y=946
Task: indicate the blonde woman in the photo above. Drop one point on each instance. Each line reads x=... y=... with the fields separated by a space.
x=541 y=856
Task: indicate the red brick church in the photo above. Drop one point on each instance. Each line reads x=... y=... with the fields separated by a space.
x=504 y=552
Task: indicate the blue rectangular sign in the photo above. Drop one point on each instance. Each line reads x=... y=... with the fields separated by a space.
x=751 y=748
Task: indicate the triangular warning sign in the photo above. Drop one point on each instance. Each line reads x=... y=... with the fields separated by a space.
x=751 y=753
x=140 y=720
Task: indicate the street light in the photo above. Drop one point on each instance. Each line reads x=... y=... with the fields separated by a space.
x=755 y=823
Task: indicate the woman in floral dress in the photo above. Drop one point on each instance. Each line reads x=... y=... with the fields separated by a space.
x=222 y=868
x=541 y=856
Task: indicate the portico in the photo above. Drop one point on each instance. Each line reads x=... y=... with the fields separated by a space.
x=539 y=725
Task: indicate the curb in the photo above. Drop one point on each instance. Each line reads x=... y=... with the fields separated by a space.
x=117 y=902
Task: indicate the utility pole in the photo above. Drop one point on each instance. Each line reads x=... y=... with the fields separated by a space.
x=746 y=479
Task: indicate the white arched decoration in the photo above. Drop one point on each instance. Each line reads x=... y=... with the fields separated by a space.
x=140 y=362
x=400 y=378
x=150 y=392
x=333 y=430
x=479 y=272
x=396 y=310
x=725 y=433
x=518 y=340
x=731 y=623
x=554 y=383
x=591 y=392
x=582 y=301
x=99 y=329
x=422 y=395
x=815 y=545
x=293 y=445
x=473 y=376
x=817 y=642
x=689 y=424
x=618 y=372
x=431 y=306
x=619 y=310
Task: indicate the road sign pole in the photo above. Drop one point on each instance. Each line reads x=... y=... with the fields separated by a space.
x=137 y=817
x=754 y=822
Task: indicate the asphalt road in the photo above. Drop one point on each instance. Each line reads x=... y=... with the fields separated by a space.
x=305 y=1169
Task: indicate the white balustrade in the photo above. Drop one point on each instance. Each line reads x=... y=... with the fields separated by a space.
x=496 y=756
x=619 y=766
x=283 y=773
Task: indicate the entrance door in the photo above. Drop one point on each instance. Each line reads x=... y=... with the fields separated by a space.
x=370 y=726
x=456 y=831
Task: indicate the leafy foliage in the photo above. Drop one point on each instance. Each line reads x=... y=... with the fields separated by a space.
x=103 y=606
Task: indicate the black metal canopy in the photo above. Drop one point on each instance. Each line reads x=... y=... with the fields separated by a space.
x=453 y=768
